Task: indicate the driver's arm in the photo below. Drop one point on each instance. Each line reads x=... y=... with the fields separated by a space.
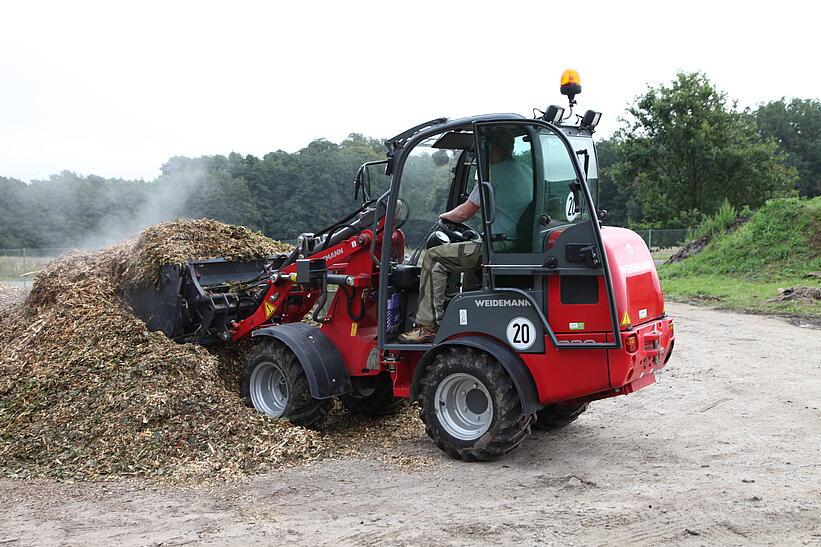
x=462 y=212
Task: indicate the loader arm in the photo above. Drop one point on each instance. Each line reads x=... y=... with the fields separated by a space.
x=347 y=254
x=288 y=300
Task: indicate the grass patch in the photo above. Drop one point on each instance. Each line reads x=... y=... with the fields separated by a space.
x=741 y=295
x=664 y=253
x=744 y=269
x=15 y=266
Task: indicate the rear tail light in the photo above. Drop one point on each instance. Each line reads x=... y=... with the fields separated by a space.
x=672 y=331
x=631 y=343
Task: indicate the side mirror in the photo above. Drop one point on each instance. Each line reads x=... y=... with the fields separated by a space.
x=367 y=184
x=357 y=181
x=362 y=181
x=601 y=213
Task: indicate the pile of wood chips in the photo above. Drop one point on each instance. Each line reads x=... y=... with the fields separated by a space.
x=86 y=391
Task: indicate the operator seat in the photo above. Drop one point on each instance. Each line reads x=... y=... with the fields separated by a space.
x=524 y=229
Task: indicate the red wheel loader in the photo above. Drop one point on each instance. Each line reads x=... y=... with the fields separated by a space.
x=560 y=312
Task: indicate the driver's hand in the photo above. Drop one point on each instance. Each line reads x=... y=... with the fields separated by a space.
x=447 y=216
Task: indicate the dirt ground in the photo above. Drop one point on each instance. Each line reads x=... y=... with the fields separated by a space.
x=726 y=449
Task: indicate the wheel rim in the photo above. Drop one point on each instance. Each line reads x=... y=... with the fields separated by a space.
x=269 y=389
x=463 y=406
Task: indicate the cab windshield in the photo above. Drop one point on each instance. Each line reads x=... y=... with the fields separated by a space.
x=426 y=184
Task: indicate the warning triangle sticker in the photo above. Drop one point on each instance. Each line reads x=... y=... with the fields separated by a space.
x=625 y=320
x=269 y=309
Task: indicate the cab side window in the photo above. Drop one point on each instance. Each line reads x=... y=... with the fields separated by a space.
x=506 y=153
x=561 y=203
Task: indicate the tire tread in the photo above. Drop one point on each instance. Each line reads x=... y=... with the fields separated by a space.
x=513 y=426
x=302 y=410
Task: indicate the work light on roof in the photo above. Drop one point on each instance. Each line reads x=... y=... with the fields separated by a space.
x=553 y=114
x=590 y=119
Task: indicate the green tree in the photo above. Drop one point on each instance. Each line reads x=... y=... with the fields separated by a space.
x=684 y=149
x=796 y=126
x=17 y=229
x=281 y=194
x=611 y=197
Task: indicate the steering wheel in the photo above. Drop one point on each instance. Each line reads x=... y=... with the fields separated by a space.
x=457 y=232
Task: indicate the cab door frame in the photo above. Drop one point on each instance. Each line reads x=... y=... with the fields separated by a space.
x=544 y=263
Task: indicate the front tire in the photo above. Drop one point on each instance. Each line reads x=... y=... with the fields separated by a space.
x=275 y=384
x=470 y=407
x=373 y=396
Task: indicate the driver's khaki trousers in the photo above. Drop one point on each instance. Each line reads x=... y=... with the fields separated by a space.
x=433 y=279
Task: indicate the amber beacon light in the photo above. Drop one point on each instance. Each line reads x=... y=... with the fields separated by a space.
x=571 y=85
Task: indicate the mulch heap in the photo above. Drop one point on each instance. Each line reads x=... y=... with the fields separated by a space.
x=86 y=391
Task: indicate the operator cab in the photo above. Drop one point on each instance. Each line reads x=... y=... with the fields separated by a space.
x=441 y=171
x=536 y=184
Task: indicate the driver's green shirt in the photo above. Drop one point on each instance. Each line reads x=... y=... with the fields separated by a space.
x=512 y=183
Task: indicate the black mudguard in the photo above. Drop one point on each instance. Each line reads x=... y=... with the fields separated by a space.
x=512 y=363
x=324 y=367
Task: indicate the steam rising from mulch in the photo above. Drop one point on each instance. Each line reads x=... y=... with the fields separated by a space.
x=86 y=391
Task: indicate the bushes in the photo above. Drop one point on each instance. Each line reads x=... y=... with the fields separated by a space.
x=781 y=239
x=720 y=222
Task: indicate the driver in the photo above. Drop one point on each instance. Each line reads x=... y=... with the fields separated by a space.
x=513 y=184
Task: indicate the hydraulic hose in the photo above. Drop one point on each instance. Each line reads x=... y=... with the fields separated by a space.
x=333 y=232
x=349 y=296
x=321 y=304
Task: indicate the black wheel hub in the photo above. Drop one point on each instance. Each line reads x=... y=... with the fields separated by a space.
x=477 y=401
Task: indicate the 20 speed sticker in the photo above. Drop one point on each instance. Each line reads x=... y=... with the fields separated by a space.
x=521 y=333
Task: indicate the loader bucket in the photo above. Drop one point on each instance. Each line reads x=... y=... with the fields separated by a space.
x=197 y=302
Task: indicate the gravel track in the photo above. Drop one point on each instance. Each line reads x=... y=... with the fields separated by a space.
x=726 y=449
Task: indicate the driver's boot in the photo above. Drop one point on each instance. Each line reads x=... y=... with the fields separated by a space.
x=419 y=335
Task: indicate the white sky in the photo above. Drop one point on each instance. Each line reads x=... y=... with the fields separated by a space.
x=116 y=88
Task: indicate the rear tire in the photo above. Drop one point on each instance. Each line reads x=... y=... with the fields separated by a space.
x=373 y=396
x=470 y=407
x=275 y=384
x=557 y=416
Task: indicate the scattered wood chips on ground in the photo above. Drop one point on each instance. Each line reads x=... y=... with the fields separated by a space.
x=809 y=294
x=10 y=296
x=87 y=392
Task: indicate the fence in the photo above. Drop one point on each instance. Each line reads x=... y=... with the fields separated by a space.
x=663 y=238
x=18 y=266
